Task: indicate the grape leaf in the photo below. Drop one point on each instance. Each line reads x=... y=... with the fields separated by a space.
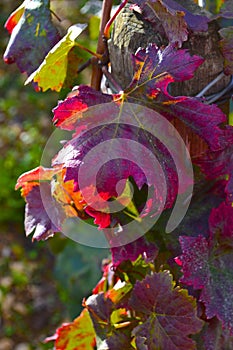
x=215 y=337
x=68 y=112
x=115 y=169
x=15 y=17
x=226 y=45
x=155 y=69
x=49 y=201
x=131 y=251
x=168 y=314
x=221 y=224
x=39 y=173
x=52 y=72
x=195 y=21
x=110 y=334
x=226 y=10
x=173 y=21
x=207 y=265
x=32 y=37
x=78 y=334
x=36 y=216
x=97 y=121
x=215 y=164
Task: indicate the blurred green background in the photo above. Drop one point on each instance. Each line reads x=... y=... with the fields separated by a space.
x=41 y=284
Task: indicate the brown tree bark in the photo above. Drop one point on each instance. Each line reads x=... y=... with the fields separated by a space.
x=131 y=32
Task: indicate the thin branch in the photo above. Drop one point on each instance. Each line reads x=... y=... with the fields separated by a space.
x=111 y=79
x=212 y=83
x=215 y=97
x=55 y=15
x=108 y=25
x=97 y=71
x=85 y=65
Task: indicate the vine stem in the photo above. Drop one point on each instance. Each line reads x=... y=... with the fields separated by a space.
x=96 y=70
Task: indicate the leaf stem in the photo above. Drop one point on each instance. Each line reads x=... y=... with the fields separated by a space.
x=89 y=51
x=101 y=45
x=109 y=23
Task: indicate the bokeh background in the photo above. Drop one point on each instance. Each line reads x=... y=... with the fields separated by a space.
x=41 y=284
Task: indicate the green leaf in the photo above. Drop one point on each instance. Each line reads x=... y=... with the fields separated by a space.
x=94 y=24
x=52 y=72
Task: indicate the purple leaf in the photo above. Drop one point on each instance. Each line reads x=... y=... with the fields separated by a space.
x=118 y=161
x=32 y=37
x=173 y=21
x=208 y=265
x=36 y=216
x=220 y=163
x=221 y=224
x=165 y=11
x=194 y=261
x=215 y=337
x=154 y=64
x=226 y=10
x=132 y=250
x=155 y=69
x=168 y=314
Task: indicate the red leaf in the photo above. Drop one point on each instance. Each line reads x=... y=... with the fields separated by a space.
x=78 y=334
x=67 y=113
x=14 y=18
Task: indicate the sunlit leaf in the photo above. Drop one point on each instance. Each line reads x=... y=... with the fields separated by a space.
x=78 y=334
x=32 y=37
x=49 y=201
x=67 y=112
x=15 y=17
x=53 y=71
